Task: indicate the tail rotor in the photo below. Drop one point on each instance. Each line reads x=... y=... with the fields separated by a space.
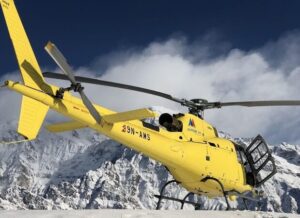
x=61 y=61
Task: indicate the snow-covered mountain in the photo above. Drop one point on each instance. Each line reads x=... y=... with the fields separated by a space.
x=84 y=169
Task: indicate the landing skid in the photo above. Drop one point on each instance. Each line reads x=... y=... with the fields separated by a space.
x=197 y=206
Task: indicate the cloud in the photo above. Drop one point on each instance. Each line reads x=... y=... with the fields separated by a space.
x=9 y=101
x=199 y=70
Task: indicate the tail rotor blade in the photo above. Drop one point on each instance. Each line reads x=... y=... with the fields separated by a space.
x=90 y=106
x=60 y=60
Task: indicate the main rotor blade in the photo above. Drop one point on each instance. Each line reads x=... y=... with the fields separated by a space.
x=60 y=60
x=116 y=85
x=90 y=106
x=261 y=103
x=208 y=105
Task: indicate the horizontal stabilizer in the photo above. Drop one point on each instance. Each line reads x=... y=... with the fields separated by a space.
x=65 y=126
x=129 y=115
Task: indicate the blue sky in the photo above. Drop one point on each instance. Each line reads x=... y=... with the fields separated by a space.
x=219 y=50
x=87 y=29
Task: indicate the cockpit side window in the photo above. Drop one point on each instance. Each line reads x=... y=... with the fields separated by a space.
x=171 y=123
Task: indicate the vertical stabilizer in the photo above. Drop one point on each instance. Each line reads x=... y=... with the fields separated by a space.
x=32 y=112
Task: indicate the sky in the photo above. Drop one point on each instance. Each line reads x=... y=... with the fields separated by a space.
x=219 y=50
x=96 y=28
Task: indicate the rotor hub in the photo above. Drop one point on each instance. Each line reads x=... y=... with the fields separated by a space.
x=77 y=87
x=199 y=102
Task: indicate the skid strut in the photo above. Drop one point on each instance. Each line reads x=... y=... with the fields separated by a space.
x=182 y=201
x=161 y=196
x=222 y=188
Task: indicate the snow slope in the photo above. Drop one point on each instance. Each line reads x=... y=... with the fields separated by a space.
x=112 y=213
x=85 y=170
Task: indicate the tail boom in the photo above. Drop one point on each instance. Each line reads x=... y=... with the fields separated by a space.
x=70 y=106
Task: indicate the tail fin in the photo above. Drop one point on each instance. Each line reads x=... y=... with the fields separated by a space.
x=32 y=112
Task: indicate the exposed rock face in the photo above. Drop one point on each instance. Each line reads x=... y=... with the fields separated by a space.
x=83 y=169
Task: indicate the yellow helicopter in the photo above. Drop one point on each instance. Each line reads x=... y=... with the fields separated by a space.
x=185 y=144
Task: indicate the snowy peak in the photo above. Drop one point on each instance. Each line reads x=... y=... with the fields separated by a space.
x=84 y=169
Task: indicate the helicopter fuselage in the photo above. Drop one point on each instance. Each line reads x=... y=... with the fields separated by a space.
x=190 y=155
